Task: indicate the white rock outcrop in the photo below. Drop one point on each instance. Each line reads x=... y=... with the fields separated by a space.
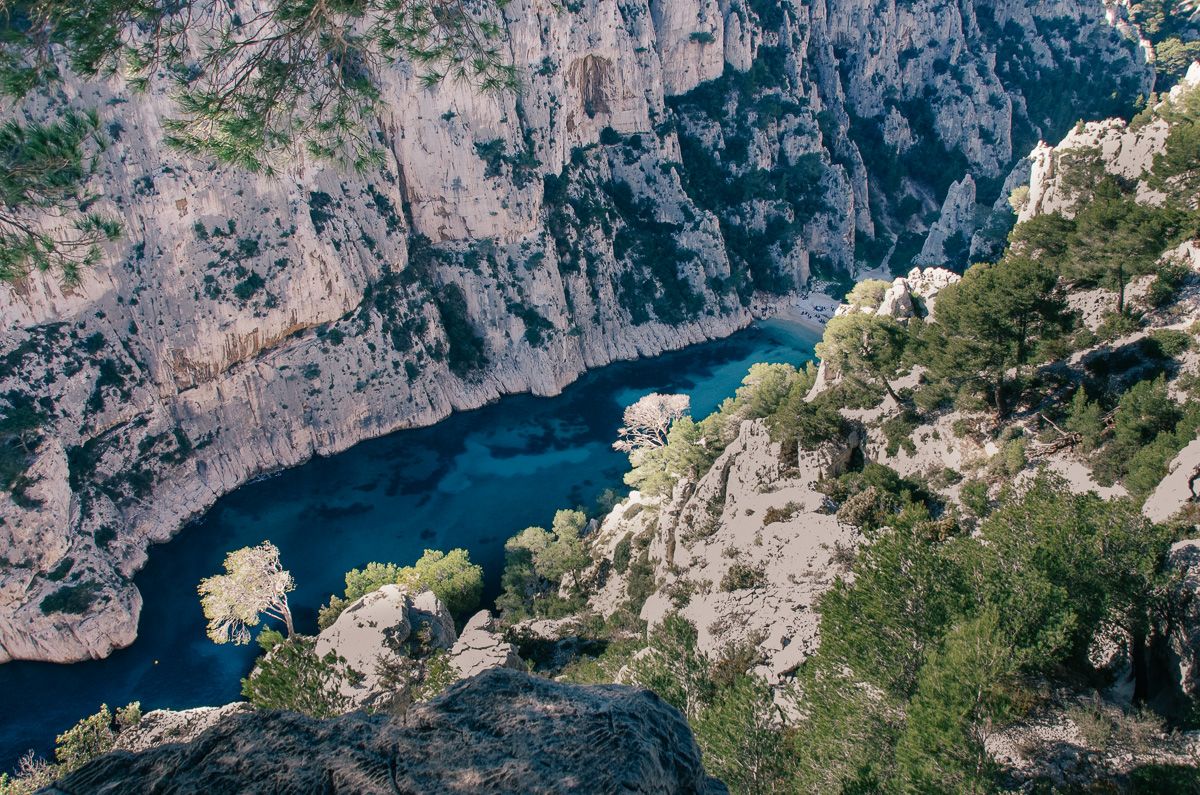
x=955 y=224
x=481 y=647
x=743 y=554
x=1180 y=486
x=382 y=633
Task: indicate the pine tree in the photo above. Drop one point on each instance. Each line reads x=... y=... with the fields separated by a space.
x=741 y=741
x=292 y=75
x=993 y=321
x=865 y=346
x=962 y=694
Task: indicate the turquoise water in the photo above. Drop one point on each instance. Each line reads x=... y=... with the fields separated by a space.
x=471 y=481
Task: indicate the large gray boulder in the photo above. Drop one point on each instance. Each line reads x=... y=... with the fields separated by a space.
x=381 y=636
x=480 y=647
x=162 y=726
x=500 y=732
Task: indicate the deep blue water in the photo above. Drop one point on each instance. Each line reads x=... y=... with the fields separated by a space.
x=471 y=481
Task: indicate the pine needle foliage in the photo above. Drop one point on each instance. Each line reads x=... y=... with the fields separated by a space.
x=253 y=88
x=45 y=221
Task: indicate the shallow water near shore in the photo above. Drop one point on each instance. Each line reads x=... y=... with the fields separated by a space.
x=471 y=481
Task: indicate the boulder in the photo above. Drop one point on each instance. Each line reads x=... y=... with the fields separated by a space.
x=426 y=610
x=1178 y=488
x=926 y=283
x=897 y=301
x=385 y=629
x=500 y=732
x=480 y=648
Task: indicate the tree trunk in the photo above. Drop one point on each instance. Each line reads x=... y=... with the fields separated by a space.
x=1141 y=672
x=890 y=391
x=287 y=617
x=998 y=394
x=1120 y=288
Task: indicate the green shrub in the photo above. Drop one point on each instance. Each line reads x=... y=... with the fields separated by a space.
x=740 y=739
x=780 y=514
x=1143 y=412
x=898 y=431
x=467 y=354
x=974 y=496
x=248 y=287
x=1012 y=457
x=71 y=599
x=1117 y=324
x=621 y=554
x=451 y=576
x=291 y=676
x=535 y=563
x=868 y=293
x=1166 y=284
x=741 y=576
x=1170 y=343
x=869 y=509
x=93 y=736
x=1085 y=418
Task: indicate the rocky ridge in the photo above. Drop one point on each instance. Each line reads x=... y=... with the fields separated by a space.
x=501 y=731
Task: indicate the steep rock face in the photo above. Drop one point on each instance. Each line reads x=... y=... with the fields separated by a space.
x=1183 y=647
x=743 y=554
x=618 y=206
x=950 y=236
x=499 y=732
x=1111 y=146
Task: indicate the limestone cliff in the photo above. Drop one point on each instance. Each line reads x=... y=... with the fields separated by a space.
x=667 y=167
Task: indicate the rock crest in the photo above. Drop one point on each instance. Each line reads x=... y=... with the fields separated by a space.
x=480 y=648
x=499 y=732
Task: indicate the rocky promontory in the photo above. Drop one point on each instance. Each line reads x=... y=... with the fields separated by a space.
x=499 y=732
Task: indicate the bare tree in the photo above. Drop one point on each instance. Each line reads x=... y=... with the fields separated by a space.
x=648 y=420
x=255 y=582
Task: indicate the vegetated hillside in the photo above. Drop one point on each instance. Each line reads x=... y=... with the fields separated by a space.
x=959 y=555
x=666 y=171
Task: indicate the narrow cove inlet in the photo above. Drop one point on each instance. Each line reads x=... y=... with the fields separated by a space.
x=471 y=481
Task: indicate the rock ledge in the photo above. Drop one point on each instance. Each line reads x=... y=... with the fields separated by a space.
x=499 y=732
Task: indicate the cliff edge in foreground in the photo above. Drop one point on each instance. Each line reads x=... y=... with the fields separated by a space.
x=501 y=731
